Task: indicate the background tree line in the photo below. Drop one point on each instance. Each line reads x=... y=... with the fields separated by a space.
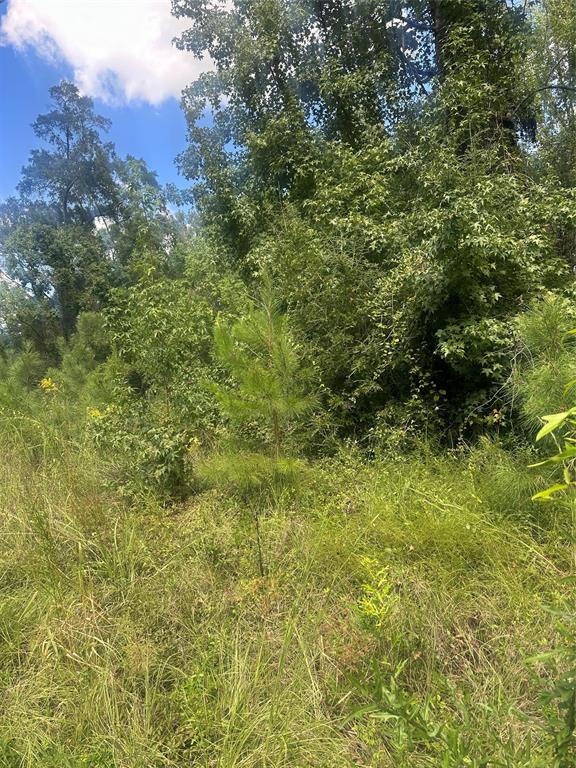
x=401 y=173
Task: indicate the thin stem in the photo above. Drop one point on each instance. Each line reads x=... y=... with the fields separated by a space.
x=261 y=567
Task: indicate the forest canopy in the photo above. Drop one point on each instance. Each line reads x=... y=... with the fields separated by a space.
x=402 y=172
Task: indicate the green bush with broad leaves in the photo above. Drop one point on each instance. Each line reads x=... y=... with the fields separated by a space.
x=160 y=332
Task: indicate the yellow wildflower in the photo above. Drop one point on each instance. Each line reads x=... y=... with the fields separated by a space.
x=48 y=384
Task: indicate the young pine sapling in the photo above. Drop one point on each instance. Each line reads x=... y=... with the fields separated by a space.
x=264 y=402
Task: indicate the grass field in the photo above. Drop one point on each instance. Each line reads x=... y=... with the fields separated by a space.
x=402 y=604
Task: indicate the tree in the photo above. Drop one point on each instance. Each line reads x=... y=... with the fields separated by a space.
x=48 y=238
x=267 y=396
x=291 y=77
x=288 y=77
x=26 y=321
x=145 y=233
x=374 y=156
x=75 y=175
x=66 y=267
x=270 y=392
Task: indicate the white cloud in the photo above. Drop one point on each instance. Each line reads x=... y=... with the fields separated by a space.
x=120 y=50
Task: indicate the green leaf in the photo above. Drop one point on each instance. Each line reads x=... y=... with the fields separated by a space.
x=567 y=454
x=546 y=494
x=553 y=421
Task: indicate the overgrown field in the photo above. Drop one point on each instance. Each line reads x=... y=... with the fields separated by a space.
x=288 y=456
x=403 y=604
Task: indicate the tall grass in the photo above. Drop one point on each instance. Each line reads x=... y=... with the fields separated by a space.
x=135 y=635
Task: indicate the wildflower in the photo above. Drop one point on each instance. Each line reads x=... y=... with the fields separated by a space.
x=48 y=384
x=94 y=413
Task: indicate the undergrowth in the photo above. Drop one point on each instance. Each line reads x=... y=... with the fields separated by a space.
x=402 y=603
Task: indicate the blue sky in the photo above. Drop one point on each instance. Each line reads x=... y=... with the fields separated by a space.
x=40 y=45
